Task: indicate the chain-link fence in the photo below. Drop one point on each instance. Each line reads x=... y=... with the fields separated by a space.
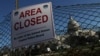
x=5 y=32
x=87 y=15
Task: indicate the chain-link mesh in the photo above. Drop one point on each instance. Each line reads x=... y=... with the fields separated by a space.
x=5 y=32
x=87 y=15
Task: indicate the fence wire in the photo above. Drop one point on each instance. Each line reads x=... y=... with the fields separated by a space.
x=87 y=15
x=5 y=32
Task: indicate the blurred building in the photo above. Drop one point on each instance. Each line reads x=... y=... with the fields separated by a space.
x=74 y=29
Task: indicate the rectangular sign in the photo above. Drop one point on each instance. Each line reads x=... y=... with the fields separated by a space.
x=32 y=24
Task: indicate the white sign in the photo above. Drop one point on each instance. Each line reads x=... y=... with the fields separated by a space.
x=32 y=24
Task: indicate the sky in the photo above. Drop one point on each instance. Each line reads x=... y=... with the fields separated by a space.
x=6 y=6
